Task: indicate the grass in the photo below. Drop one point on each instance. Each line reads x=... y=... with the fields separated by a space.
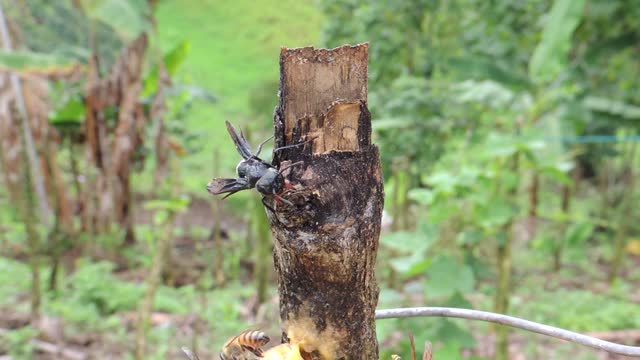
x=235 y=47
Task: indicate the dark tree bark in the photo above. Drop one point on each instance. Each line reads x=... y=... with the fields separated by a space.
x=326 y=242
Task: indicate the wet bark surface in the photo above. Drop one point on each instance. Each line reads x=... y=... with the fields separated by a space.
x=325 y=243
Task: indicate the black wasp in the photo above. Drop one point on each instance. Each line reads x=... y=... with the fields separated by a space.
x=252 y=171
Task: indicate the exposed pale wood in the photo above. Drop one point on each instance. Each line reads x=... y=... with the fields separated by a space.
x=315 y=78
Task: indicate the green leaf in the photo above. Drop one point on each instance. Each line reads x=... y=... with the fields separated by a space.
x=477 y=67
x=498 y=146
x=549 y=58
x=391 y=123
x=578 y=233
x=160 y=217
x=411 y=265
x=405 y=242
x=70 y=111
x=128 y=18
x=177 y=204
x=451 y=334
x=558 y=172
x=173 y=59
x=448 y=276
x=26 y=61
x=497 y=213
x=421 y=196
x=612 y=107
x=469 y=237
x=487 y=92
x=458 y=301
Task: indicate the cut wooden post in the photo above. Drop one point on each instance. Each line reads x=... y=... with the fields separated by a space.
x=326 y=242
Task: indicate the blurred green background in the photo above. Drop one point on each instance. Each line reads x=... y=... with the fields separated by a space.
x=508 y=132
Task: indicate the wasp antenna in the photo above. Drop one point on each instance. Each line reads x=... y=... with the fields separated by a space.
x=264 y=202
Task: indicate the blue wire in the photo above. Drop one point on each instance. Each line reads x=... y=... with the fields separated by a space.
x=595 y=139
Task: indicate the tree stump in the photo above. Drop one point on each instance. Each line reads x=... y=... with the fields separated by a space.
x=326 y=240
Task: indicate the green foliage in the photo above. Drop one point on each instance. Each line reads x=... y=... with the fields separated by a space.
x=19 y=342
x=94 y=286
x=60 y=30
x=581 y=310
x=175 y=205
x=612 y=107
x=14 y=279
x=411 y=248
x=26 y=61
x=173 y=60
x=128 y=18
x=550 y=57
x=578 y=233
x=448 y=276
x=470 y=100
x=479 y=97
x=69 y=114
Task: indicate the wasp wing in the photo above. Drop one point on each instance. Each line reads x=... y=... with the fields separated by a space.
x=230 y=186
x=242 y=145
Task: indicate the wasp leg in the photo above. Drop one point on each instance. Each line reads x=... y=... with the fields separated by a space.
x=290 y=165
x=267 y=205
x=294 y=145
x=283 y=200
x=262 y=144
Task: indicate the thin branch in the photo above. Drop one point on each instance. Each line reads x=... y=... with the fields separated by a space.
x=547 y=330
x=33 y=156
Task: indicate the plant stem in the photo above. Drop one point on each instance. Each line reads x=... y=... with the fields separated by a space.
x=626 y=206
x=217 y=236
x=28 y=216
x=501 y=304
x=160 y=260
x=74 y=169
x=504 y=269
x=153 y=280
x=32 y=156
x=559 y=244
x=534 y=190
